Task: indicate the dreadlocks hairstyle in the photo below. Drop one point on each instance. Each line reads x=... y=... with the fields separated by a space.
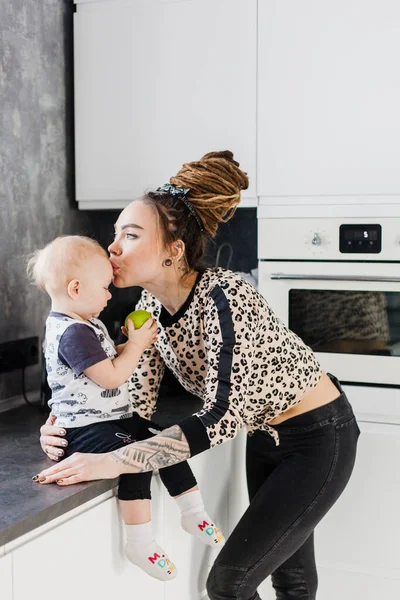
x=198 y=198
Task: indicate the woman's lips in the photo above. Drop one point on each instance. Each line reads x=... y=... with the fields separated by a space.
x=115 y=268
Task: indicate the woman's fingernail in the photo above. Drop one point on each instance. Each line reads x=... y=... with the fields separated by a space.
x=42 y=479
x=59 y=481
x=60 y=452
x=62 y=432
x=35 y=477
x=64 y=443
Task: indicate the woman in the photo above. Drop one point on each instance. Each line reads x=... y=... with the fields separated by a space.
x=222 y=341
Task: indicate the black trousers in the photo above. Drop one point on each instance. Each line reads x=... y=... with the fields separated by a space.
x=111 y=435
x=291 y=487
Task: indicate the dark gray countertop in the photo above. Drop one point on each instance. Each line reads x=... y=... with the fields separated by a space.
x=24 y=505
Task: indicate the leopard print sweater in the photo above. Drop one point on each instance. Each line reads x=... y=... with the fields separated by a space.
x=226 y=346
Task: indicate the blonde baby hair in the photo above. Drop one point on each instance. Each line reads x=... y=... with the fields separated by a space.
x=54 y=266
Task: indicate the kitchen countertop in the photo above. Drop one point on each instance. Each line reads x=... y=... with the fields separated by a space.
x=24 y=505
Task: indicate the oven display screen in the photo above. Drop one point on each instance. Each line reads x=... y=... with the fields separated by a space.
x=360 y=239
x=344 y=321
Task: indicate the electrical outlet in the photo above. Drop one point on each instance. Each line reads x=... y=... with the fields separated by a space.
x=19 y=353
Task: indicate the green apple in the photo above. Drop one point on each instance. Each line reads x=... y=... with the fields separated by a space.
x=138 y=317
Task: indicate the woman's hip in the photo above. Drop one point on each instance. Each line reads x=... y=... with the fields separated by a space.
x=324 y=437
x=326 y=391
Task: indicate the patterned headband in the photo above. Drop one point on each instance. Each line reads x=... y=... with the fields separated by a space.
x=180 y=194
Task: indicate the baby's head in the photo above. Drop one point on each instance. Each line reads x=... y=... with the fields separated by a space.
x=76 y=273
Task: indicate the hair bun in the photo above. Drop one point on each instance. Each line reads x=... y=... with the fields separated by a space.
x=215 y=182
x=226 y=154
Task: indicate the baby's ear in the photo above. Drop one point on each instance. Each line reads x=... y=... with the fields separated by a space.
x=73 y=288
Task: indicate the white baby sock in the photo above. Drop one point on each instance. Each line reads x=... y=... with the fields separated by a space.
x=143 y=551
x=196 y=521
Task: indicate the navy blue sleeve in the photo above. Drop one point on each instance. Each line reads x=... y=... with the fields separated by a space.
x=80 y=348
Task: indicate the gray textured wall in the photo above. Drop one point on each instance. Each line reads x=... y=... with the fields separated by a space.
x=36 y=159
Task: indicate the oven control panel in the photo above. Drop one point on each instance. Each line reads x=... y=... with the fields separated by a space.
x=360 y=239
x=346 y=239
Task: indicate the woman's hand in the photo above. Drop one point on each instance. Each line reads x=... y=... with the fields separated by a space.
x=167 y=448
x=51 y=439
x=80 y=467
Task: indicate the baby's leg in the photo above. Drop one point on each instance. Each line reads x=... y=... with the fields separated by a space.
x=141 y=547
x=133 y=494
x=182 y=486
x=135 y=512
x=195 y=520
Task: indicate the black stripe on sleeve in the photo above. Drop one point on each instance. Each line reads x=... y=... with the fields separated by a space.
x=221 y=404
x=195 y=426
x=196 y=435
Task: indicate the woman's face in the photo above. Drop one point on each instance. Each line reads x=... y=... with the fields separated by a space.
x=137 y=252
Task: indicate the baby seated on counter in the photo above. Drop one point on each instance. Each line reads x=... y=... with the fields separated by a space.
x=88 y=376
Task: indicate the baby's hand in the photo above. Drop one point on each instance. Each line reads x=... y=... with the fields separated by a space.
x=143 y=337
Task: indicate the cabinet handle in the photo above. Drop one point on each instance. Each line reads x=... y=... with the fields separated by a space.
x=279 y=276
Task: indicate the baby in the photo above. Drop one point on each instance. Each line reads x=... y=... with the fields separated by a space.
x=87 y=375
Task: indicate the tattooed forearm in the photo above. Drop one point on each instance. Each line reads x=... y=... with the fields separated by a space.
x=163 y=450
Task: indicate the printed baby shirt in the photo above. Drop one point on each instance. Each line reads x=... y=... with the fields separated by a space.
x=71 y=346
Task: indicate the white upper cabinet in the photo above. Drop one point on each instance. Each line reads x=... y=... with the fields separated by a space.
x=159 y=83
x=329 y=98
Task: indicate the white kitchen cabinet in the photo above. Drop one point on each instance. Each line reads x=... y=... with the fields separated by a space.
x=159 y=83
x=357 y=543
x=83 y=558
x=328 y=101
x=6 y=577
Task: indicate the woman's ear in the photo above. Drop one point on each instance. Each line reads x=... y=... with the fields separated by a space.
x=177 y=250
x=73 y=289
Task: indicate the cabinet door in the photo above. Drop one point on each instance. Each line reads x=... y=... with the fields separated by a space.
x=6 y=589
x=157 y=84
x=84 y=558
x=328 y=98
x=357 y=543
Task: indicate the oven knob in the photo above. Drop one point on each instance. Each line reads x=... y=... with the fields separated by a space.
x=316 y=241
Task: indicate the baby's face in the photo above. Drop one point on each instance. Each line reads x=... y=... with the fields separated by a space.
x=95 y=279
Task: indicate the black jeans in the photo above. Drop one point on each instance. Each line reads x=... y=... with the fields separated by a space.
x=111 y=435
x=291 y=487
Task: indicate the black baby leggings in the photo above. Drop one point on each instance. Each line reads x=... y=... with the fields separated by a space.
x=291 y=487
x=111 y=435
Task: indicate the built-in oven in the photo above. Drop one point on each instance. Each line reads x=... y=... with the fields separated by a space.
x=336 y=283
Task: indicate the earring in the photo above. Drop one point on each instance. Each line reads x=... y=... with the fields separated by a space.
x=167 y=262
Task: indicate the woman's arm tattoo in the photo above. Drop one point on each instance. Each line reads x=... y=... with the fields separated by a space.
x=167 y=448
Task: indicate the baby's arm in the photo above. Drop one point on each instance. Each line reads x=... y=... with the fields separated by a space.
x=120 y=348
x=110 y=374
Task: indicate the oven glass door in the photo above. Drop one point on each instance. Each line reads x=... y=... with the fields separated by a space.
x=348 y=313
